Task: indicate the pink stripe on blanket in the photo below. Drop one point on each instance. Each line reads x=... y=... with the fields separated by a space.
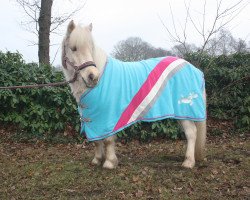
x=144 y=91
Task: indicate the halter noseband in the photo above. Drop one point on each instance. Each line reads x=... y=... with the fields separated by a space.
x=76 y=68
x=79 y=67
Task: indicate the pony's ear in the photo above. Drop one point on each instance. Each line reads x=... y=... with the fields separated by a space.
x=71 y=27
x=90 y=27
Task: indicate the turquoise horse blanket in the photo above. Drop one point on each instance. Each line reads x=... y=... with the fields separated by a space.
x=147 y=90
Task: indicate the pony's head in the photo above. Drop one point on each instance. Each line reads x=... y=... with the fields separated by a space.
x=77 y=55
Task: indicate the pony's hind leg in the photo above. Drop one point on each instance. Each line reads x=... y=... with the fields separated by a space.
x=200 y=140
x=99 y=153
x=191 y=134
x=111 y=161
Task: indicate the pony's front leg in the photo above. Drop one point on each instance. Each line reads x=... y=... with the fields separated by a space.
x=111 y=161
x=99 y=153
x=191 y=133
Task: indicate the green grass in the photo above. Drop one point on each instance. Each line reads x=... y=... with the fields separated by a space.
x=145 y=171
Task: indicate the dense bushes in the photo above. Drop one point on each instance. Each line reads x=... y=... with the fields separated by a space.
x=37 y=111
x=227 y=85
x=51 y=110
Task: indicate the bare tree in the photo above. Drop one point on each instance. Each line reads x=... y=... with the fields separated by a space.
x=39 y=13
x=201 y=26
x=241 y=46
x=181 y=50
x=134 y=48
x=44 y=23
x=225 y=44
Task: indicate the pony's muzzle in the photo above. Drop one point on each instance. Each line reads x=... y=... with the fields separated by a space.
x=93 y=79
x=90 y=76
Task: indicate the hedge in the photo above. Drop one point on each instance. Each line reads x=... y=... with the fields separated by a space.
x=49 y=111
x=37 y=111
x=227 y=86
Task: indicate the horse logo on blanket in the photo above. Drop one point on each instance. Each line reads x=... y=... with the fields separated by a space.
x=147 y=90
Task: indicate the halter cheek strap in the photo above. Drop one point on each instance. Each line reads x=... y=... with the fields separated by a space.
x=66 y=61
x=84 y=65
x=77 y=68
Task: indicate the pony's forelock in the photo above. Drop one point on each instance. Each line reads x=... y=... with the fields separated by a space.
x=81 y=37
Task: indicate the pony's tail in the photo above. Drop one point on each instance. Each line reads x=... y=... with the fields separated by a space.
x=200 y=140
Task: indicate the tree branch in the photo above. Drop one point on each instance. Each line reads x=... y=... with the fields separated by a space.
x=221 y=19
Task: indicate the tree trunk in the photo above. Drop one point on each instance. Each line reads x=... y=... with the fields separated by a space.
x=44 y=22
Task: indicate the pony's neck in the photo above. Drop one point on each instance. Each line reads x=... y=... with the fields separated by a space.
x=100 y=58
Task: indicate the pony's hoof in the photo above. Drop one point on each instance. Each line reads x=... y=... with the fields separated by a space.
x=109 y=165
x=96 y=161
x=188 y=164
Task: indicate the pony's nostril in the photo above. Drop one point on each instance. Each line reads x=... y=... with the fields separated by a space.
x=91 y=77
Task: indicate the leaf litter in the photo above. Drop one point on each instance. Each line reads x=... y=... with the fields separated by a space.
x=146 y=171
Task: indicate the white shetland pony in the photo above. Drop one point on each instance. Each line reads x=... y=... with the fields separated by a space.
x=85 y=61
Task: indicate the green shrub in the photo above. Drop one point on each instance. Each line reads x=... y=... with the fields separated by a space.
x=227 y=86
x=38 y=111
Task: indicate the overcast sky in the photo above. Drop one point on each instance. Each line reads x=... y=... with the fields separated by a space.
x=115 y=20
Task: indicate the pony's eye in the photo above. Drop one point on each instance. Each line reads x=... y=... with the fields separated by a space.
x=73 y=48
